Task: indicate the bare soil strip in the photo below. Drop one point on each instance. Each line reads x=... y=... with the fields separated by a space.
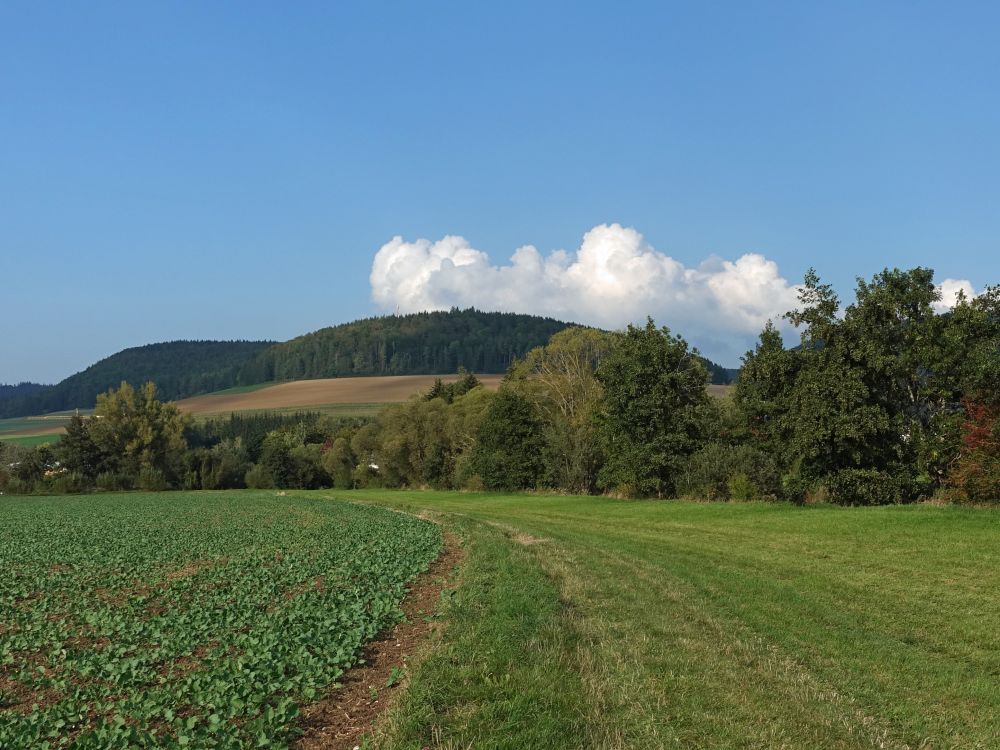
x=342 y=718
x=48 y=429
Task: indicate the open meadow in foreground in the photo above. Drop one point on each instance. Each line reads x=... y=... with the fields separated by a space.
x=573 y=622
x=594 y=623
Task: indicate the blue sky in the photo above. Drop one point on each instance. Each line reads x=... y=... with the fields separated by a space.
x=210 y=170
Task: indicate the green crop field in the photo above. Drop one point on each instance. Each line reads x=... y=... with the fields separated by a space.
x=30 y=440
x=200 y=620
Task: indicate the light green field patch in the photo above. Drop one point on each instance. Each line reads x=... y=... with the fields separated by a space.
x=30 y=440
x=725 y=626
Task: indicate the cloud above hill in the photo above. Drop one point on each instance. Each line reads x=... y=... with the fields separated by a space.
x=615 y=277
x=949 y=289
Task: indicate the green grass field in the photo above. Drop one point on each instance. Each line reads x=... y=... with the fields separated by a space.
x=587 y=622
x=574 y=622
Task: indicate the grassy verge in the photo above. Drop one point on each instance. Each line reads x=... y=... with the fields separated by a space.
x=672 y=624
x=504 y=675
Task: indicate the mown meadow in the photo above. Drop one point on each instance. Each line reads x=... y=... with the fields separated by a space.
x=585 y=622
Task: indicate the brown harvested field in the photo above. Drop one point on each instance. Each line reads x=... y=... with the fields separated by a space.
x=306 y=394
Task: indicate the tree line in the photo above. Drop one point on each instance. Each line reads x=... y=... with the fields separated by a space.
x=883 y=401
x=19 y=390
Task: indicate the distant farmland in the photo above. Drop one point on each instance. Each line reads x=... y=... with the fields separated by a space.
x=33 y=430
x=345 y=397
x=327 y=392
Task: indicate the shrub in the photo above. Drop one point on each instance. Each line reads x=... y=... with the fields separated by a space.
x=110 y=480
x=474 y=484
x=365 y=476
x=258 y=478
x=17 y=486
x=742 y=489
x=339 y=462
x=862 y=487
x=308 y=472
x=151 y=479
x=730 y=472
x=70 y=483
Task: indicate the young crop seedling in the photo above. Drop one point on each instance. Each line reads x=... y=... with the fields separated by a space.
x=207 y=624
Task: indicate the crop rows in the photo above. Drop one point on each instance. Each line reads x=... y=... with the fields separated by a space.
x=189 y=620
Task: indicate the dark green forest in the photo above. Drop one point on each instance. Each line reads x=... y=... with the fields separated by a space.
x=19 y=390
x=424 y=343
x=419 y=344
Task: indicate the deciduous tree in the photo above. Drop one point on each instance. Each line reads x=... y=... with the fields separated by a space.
x=655 y=404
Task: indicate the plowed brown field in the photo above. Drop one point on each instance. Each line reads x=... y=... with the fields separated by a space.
x=312 y=393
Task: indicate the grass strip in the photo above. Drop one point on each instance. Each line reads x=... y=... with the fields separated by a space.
x=503 y=675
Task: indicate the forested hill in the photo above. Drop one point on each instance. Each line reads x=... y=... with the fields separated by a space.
x=416 y=344
x=179 y=369
x=426 y=343
x=20 y=389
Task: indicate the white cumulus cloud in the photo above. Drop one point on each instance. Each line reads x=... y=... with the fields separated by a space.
x=949 y=289
x=615 y=277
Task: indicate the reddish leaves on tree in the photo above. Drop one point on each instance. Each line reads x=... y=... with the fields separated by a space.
x=975 y=476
